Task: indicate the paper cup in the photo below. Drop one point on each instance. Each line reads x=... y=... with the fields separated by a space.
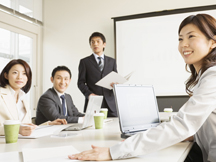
x=11 y=129
x=105 y=111
x=168 y=110
x=98 y=119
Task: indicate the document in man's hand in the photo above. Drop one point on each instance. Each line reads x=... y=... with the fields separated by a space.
x=112 y=77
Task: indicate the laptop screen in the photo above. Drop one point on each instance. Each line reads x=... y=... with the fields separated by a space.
x=137 y=107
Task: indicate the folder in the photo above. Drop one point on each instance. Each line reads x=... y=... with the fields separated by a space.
x=113 y=77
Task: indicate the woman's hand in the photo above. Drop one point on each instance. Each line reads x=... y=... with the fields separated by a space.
x=97 y=153
x=58 y=122
x=27 y=129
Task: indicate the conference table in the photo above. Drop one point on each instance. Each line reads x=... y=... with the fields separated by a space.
x=106 y=137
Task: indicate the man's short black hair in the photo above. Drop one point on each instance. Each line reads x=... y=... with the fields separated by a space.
x=97 y=34
x=61 y=68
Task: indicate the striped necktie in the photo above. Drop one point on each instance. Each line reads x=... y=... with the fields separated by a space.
x=100 y=64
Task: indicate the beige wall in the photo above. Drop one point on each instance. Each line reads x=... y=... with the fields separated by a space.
x=69 y=23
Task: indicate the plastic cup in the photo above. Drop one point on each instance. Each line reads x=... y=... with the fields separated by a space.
x=11 y=129
x=98 y=119
x=105 y=111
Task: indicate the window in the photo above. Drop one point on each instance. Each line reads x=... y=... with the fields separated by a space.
x=21 y=39
x=31 y=8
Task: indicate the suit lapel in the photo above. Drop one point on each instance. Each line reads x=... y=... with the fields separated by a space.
x=105 y=63
x=94 y=62
x=10 y=102
x=57 y=99
x=25 y=107
x=69 y=110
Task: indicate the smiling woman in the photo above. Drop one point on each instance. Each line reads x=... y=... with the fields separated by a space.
x=196 y=118
x=15 y=82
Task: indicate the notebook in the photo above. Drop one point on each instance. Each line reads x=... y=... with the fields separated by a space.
x=137 y=108
x=94 y=105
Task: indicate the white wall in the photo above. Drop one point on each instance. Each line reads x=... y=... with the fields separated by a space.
x=69 y=23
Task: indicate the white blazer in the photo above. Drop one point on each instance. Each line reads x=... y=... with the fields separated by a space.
x=8 y=110
x=196 y=117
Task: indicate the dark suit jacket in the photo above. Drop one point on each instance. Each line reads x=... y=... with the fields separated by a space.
x=49 y=108
x=89 y=74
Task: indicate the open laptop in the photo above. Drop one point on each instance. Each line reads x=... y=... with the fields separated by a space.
x=137 y=108
x=94 y=105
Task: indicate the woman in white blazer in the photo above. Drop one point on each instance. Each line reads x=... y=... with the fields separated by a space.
x=197 y=117
x=15 y=82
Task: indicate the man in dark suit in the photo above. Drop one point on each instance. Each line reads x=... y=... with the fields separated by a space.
x=92 y=69
x=54 y=103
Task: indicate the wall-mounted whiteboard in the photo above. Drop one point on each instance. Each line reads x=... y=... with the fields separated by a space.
x=149 y=47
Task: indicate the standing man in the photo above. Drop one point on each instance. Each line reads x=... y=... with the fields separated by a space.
x=55 y=103
x=92 y=69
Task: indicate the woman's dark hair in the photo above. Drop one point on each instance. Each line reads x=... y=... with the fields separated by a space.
x=4 y=81
x=207 y=25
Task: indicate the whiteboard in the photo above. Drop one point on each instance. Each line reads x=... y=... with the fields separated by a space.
x=149 y=47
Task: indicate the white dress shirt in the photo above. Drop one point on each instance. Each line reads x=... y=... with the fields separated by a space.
x=19 y=104
x=59 y=95
x=80 y=119
x=197 y=116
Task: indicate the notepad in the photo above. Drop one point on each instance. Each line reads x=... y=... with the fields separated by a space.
x=42 y=131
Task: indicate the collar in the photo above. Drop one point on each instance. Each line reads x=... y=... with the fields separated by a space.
x=96 y=56
x=20 y=95
x=58 y=93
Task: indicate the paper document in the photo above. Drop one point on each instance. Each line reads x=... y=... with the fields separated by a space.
x=51 y=154
x=41 y=131
x=113 y=77
x=14 y=156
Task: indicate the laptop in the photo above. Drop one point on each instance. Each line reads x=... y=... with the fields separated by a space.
x=137 y=108
x=94 y=105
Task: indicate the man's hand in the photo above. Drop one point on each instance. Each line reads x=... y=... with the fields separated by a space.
x=58 y=122
x=97 y=153
x=27 y=129
x=92 y=94
x=112 y=84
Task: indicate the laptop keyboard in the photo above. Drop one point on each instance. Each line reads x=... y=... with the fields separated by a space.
x=74 y=127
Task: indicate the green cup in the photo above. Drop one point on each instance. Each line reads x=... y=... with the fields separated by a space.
x=11 y=129
x=105 y=111
x=98 y=119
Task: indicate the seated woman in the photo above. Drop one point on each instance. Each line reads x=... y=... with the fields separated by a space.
x=15 y=82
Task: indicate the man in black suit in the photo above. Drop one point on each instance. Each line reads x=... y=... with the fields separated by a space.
x=92 y=69
x=54 y=103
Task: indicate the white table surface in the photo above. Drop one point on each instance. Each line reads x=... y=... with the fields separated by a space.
x=106 y=137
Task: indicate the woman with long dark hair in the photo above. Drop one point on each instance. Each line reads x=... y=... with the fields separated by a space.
x=196 y=119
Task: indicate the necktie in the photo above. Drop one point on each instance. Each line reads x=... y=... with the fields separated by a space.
x=63 y=104
x=100 y=64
